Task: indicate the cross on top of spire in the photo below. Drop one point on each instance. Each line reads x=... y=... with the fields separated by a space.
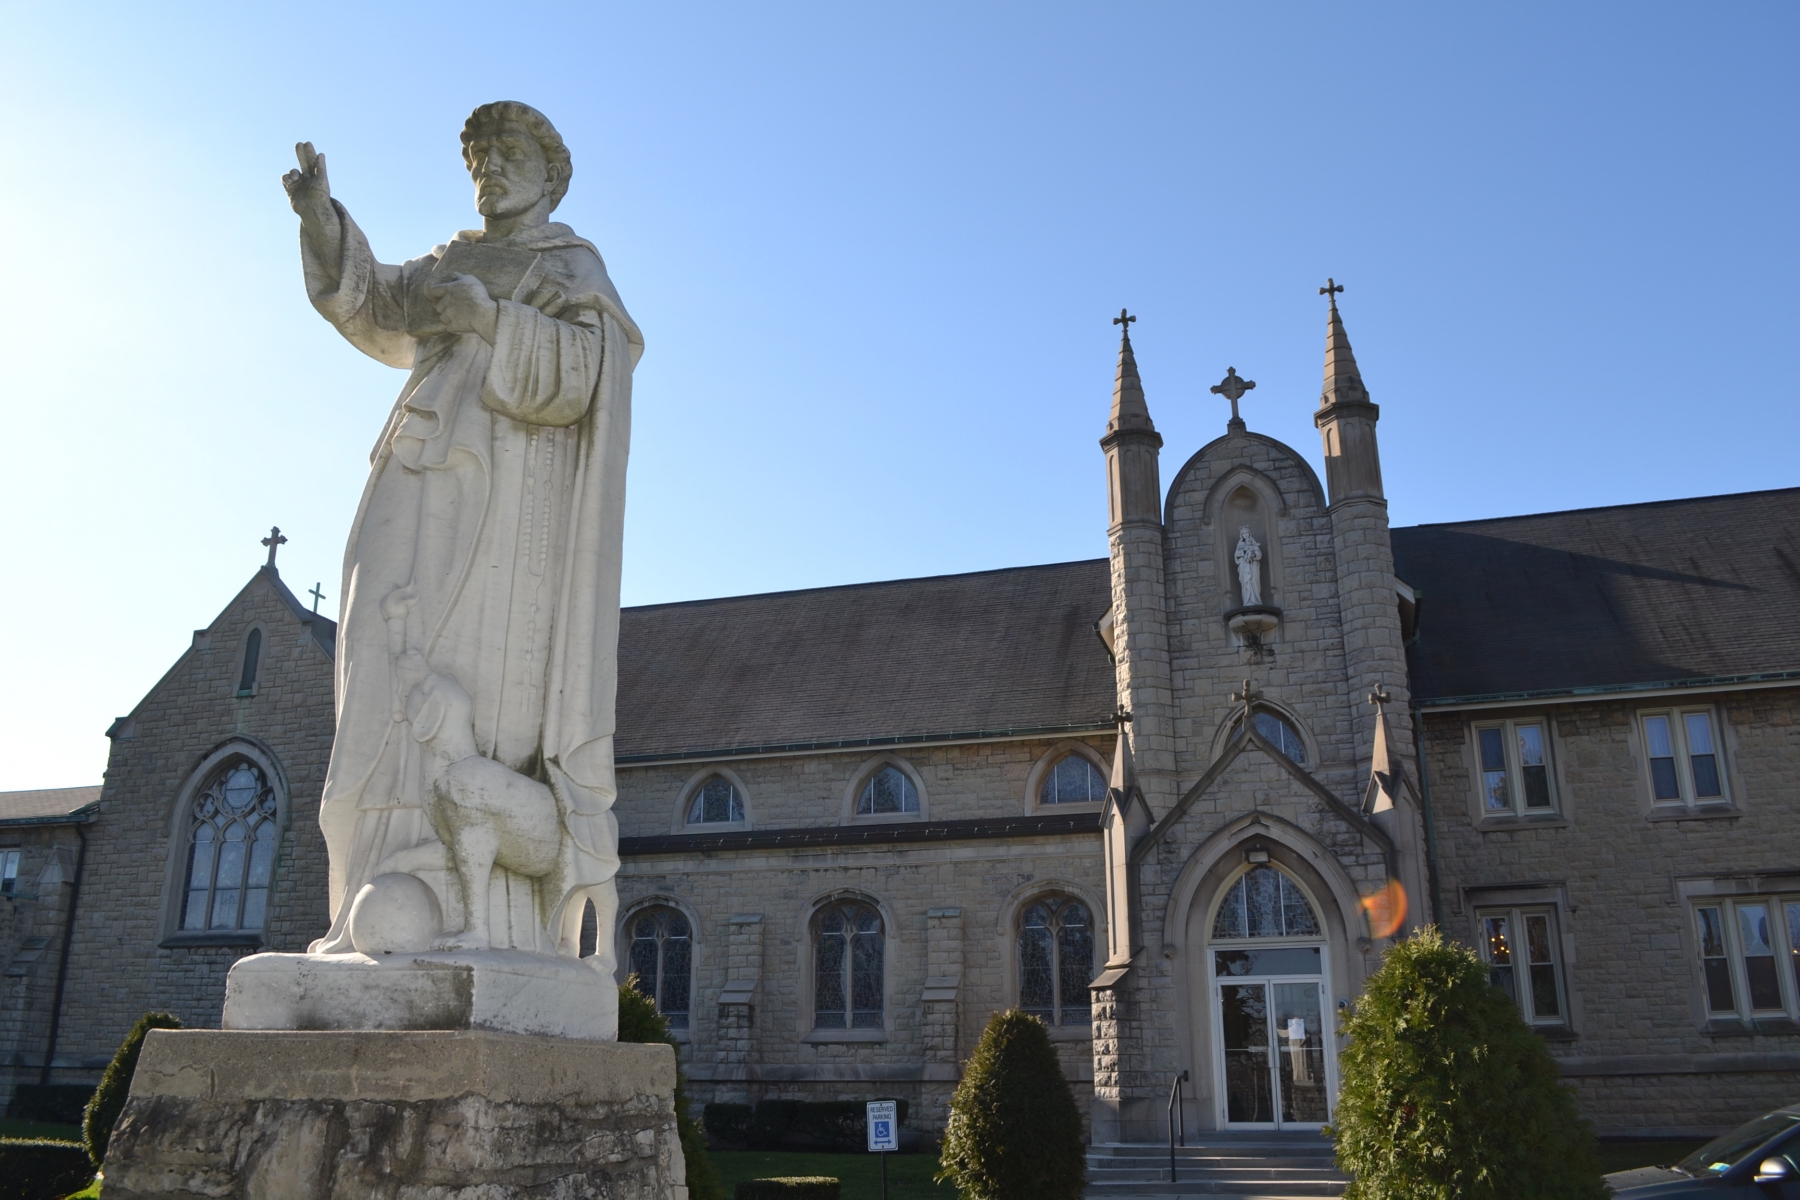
x=317 y=595
x=1332 y=288
x=1380 y=696
x=1232 y=387
x=1124 y=319
x=274 y=542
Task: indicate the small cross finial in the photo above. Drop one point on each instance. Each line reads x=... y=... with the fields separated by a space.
x=1248 y=696
x=1332 y=288
x=1124 y=319
x=274 y=542
x=317 y=595
x=1121 y=716
x=1232 y=387
x=1380 y=695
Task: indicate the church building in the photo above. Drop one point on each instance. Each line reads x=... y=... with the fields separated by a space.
x=1177 y=802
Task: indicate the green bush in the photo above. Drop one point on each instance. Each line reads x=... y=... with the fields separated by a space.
x=640 y=1022
x=772 y=1122
x=42 y=1169
x=796 y=1187
x=1447 y=1093
x=1014 y=1132
x=729 y=1123
x=54 y=1103
x=109 y=1098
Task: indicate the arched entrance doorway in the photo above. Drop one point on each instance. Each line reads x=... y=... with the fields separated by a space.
x=1267 y=969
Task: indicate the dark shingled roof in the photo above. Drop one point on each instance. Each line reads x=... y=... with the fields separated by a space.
x=1637 y=594
x=987 y=653
x=48 y=806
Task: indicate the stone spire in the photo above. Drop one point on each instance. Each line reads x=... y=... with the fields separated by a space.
x=1343 y=382
x=1130 y=414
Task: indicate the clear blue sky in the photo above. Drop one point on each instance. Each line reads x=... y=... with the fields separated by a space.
x=874 y=249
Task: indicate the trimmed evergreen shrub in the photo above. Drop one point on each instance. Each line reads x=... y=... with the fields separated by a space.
x=792 y=1187
x=1446 y=1092
x=55 y=1103
x=1014 y=1132
x=729 y=1123
x=42 y=1169
x=640 y=1022
x=115 y=1086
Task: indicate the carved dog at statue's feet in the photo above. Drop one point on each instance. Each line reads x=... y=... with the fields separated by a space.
x=485 y=813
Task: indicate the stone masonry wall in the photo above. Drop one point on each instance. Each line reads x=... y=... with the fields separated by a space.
x=119 y=967
x=1640 y=1048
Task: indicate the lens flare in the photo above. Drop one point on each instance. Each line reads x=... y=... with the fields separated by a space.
x=1385 y=909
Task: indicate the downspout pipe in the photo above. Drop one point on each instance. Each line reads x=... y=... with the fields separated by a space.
x=1431 y=862
x=62 y=966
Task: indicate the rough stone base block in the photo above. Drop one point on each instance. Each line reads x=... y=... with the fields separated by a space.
x=506 y=991
x=384 y=1115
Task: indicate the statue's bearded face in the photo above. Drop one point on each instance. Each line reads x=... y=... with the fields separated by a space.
x=509 y=169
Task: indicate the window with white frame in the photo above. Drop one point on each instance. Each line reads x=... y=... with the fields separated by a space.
x=715 y=801
x=1520 y=948
x=9 y=872
x=1750 y=955
x=1515 y=773
x=1682 y=747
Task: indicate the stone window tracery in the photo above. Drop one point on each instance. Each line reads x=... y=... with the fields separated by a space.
x=888 y=791
x=661 y=961
x=715 y=801
x=1074 y=780
x=1264 y=903
x=231 y=851
x=1056 y=960
x=849 y=965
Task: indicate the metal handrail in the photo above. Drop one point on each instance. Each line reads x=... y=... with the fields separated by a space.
x=1177 y=1105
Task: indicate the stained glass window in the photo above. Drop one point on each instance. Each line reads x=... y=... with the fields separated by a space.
x=1056 y=960
x=231 y=852
x=1074 y=780
x=1264 y=903
x=661 y=961
x=717 y=800
x=849 y=959
x=888 y=791
x=1283 y=736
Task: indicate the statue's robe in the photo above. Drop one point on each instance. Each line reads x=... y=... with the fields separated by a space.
x=486 y=549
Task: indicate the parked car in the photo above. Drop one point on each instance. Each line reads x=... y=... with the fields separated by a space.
x=1758 y=1161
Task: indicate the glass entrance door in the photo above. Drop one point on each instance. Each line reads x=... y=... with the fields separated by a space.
x=1271 y=1036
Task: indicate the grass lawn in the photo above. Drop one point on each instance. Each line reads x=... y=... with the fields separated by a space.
x=909 y=1175
x=1646 y=1152
x=39 y=1129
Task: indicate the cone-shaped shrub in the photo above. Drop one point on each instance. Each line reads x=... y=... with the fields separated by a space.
x=1014 y=1131
x=115 y=1086
x=640 y=1022
x=1447 y=1094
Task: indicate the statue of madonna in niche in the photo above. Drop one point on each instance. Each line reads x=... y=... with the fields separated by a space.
x=1249 y=568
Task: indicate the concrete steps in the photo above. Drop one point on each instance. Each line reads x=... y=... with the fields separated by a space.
x=1250 y=1166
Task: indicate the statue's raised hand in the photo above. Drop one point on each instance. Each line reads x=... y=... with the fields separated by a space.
x=309 y=191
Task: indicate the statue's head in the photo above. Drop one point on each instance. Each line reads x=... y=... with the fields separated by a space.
x=1244 y=534
x=515 y=157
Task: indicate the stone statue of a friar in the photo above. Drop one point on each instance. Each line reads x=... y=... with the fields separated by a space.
x=467 y=808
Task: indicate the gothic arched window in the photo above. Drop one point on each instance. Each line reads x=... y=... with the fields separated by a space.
x=231 y=851
x=717 y=800
x=1278 y=732
x=1074 y=780
x=252 y=652
x=1264 y=903
x=1056 y=960
x=849 y=960
x=887 y=791
x=661 y=960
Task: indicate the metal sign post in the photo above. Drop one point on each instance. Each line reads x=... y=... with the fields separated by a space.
x=884 y=1134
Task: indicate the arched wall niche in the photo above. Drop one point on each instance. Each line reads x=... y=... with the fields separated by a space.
x=1225 y=455
x=1245 y=498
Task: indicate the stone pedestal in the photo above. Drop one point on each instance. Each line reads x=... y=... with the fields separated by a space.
x=391 y=1115
x=505 y=991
